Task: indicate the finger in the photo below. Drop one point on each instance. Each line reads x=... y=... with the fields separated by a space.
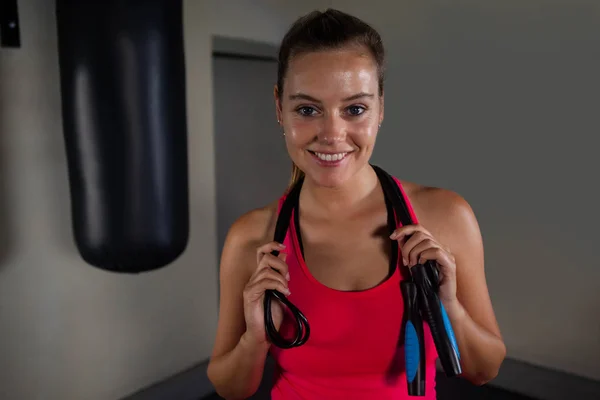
x=269 y=284
x=444 y=260
x=413 y=255
x=412 y=241
x=283 y=256
x=277 y=263
x=267 y=249
x=268 y=273
x=405 y=230
x=257 y=290
x=265 y=276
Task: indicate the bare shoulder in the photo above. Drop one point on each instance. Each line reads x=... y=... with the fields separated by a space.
x=250 y=231
x=238 y=263
x=256 y=224
x=445 y=213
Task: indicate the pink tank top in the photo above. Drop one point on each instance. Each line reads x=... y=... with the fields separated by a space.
x=354 y=351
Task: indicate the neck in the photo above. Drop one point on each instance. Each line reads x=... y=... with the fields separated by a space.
x=344 y=198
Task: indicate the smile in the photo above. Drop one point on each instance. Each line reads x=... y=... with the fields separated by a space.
x=329 y=156
x=329 y=159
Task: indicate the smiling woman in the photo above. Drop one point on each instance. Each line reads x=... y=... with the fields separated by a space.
x=333 y=93
x=338 y=262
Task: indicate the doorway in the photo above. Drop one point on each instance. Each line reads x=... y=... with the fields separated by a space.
x=252 y=165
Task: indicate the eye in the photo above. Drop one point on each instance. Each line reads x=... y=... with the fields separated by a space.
x=355 y=110
x=306 y=111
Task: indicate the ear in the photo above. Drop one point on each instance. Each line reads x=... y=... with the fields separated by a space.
x=278 y=112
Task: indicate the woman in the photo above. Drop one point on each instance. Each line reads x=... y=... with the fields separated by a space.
x=336 y=263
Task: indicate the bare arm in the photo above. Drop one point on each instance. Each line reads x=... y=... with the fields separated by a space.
x=237 y=373
x=477 y=333
x=237 y=364
x=449 y=234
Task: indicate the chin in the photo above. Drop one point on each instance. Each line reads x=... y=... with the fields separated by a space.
x=330 y=179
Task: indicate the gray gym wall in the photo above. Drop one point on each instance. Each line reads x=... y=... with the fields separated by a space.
x=466 y=79
x=499 y=101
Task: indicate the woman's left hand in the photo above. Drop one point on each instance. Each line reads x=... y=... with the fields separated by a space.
x=420 y=247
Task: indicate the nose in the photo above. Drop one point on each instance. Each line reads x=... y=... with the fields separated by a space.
x=333 y=129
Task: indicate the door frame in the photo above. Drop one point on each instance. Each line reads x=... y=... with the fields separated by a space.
x=229 y=47
x=237 y=49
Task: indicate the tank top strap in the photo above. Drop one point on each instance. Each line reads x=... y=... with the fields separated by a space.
x=280 y=203
x=411 y=210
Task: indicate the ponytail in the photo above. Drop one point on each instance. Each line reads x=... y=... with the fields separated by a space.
x=296 y=175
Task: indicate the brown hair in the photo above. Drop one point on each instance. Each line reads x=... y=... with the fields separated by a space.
x=331 y=29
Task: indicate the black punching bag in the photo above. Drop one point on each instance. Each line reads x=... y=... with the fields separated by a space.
x=122 y=77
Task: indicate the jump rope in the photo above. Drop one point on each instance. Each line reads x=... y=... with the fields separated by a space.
x=419 y=287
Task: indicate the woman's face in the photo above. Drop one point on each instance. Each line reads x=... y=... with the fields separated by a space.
x=330 y=110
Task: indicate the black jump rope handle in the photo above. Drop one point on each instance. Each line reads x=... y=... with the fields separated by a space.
x=421 y=301
x=426 y=278
x=414 y=346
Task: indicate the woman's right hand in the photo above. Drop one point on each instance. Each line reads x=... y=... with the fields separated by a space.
x=271 y=273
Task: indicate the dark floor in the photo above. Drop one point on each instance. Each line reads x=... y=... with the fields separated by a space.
x=447 y=389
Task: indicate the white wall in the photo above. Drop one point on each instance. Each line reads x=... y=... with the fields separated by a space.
x=68 y=330
x=499 y=101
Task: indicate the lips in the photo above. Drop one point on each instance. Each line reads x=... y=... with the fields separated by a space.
x=330 y=156
x=329 y=159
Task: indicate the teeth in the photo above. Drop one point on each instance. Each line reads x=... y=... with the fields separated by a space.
x=331 y=157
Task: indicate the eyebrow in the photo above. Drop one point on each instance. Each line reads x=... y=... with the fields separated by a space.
x=302 y=96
